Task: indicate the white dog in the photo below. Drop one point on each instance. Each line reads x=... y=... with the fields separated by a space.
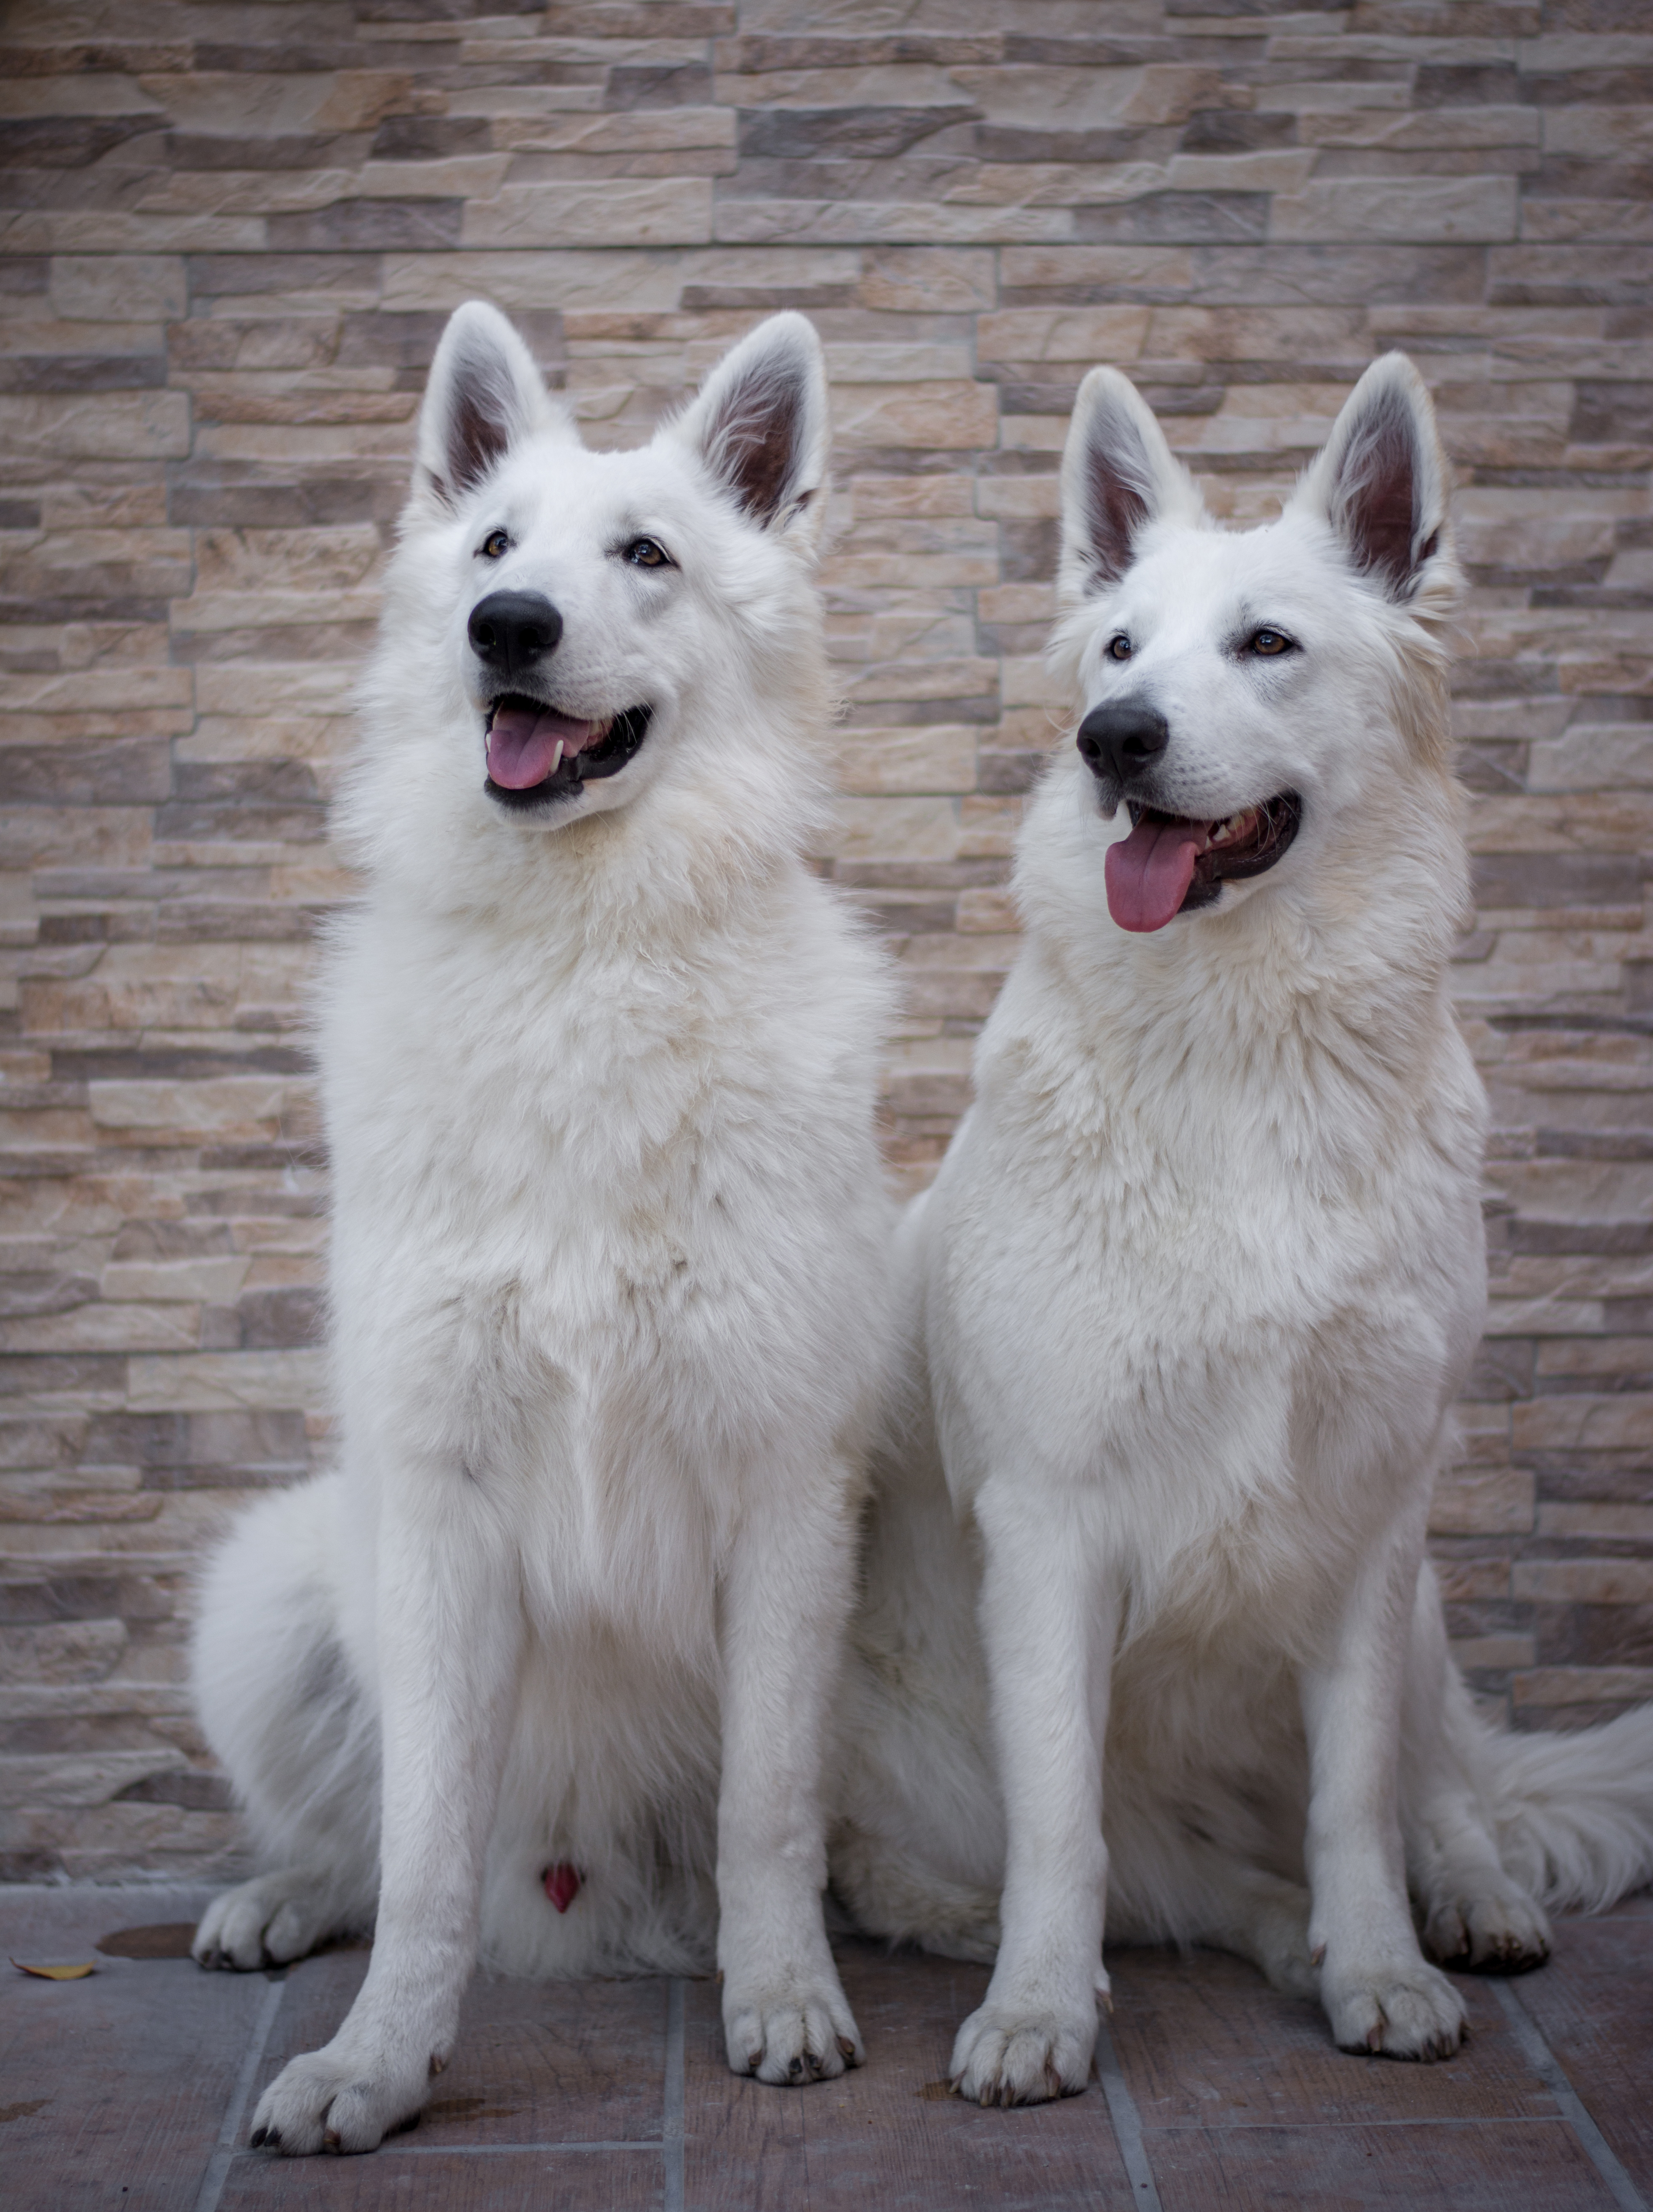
x=1195 y=1288
x=609 y=1276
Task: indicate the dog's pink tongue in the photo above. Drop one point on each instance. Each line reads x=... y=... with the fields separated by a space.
x=1148 y=873
x=522 y=744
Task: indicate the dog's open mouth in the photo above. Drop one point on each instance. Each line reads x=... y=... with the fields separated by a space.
x=536 y=754
x=1169 y=866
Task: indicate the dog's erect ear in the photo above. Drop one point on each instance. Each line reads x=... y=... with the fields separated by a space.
x=484 y=395
x=760 y=425
x=1118 y=475
x=1380 y=482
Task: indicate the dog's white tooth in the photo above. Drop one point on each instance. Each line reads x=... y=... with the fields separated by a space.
x=556 y=757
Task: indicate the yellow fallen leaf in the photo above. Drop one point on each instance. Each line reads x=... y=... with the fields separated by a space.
x=58 y=1973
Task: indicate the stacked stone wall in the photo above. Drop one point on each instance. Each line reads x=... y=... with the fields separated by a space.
x=230 y=235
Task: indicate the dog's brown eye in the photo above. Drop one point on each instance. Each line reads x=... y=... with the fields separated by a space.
x=644 y=553
x=1119 y=648
x=1270 y=641
x=494 y=545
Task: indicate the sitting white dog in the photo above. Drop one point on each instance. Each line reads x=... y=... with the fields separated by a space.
x=1190 y=1300
x=600 y=1057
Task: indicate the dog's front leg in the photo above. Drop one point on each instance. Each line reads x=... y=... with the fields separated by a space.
x=449 y=1640
x=1378 y=1992
x=785 y=1601
x=1049 y=1617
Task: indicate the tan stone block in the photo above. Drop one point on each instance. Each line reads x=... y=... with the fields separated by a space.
x=895 y=829
x=226 y=689
x=939 y=758
x=269 y=104
x=119 y=287
x=1018 y=498
x=874 y=362
x=96 y=425
x=199 y=1281
x=336 y=558
x=1620 y=1421
x=987 y=828
x=640 y=131
x=1276 y=169
x=1508 y=1651
x=1307 y=96
x=1033 y=433
x=1482 y=1501
x=1087 y=334
x=110 y=230
x=629 y=211
x=1541 y=1317
x=1018 y=603
x=940 y=414
x=1178 y=333
x=928 y=280
x=85 y=1778
x=1055 y=183
x=1040 y=98
x=1419 y=210
x=1566 y=821
x=248 y=191
x=1524 y=529
x=211 y=1103
x=96 y=690
x=231 y=610
x=987 y=908
x=1025 y=681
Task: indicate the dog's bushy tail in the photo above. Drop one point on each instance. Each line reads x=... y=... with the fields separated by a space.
x=1574 y=1813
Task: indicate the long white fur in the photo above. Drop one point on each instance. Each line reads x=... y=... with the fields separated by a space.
x=1185 y=1312
x=609 y=1277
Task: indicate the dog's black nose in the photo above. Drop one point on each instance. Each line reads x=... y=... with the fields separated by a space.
x=509 y=631
x=1119 y=742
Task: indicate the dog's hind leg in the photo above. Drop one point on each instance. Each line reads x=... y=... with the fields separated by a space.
x=294 y=1730
x=1476 y=1916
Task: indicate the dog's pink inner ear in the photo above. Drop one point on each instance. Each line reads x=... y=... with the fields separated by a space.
x=482 y=418
x=1118 y=480
x=1376 y=505
x=752 y=441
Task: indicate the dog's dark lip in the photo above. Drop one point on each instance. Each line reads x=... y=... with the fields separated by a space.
x=1253 y=853
x=610 y=754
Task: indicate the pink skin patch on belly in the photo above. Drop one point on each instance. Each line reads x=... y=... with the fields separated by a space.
x=561 y=1884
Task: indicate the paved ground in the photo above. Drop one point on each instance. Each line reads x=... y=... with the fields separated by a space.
x=133 y=2089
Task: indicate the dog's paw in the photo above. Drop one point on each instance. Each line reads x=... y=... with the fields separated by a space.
x=337 y=2099
x=1498 y=1931
x=268 y=1921
x=1008 y=2054
x=791 y=2034
x=1405 y=2009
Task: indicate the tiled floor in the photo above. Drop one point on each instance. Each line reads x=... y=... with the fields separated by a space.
x=133 y=2088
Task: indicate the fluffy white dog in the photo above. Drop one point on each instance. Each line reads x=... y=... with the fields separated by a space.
x=1195 y=1288
x=599 y=1059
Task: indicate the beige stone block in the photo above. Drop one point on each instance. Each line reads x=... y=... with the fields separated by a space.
x=1040 y=98
x=1541 y=1317
x=127 y=288
x=1018 y=603
x=890 y=84
x=1564 y=822
x=1452 y=128
x=1018 y=498
x=85 y=1778
x=220 y=1382
x=1418 y=210
x=247 y=192
x=1526 y=529
x=947 y=414
x=335 y=559
x=928 y=280
x=1055 y=183
x=96 y=691
x=271 y=104
x=1025 y=681
x=1148 y=268
x=924 y=679
x=1510 y=1651
x=1583 y=1685
x=874 y=362
x=1334 y=95
x=875 y=498
x=939 y=758
x=201 y=1281
x=1584 y=1582
x=987 y=828
x=1482 y=1501
x=1619 y=1421
x=852 y=569
x=1033 y=433
x=1561 y=52
x=1087 y=334
x=110 y=230
x=105 y=1329
x=96 y=425
x=1601 y=757
x=212 y=1103
x=876 y=222
x=988 y=908
x=1178 y=333
x=1569 y=1521
x=895 y=829
x=632 y=211
x=231 y=610
x=640 y=131
x=1281 y=169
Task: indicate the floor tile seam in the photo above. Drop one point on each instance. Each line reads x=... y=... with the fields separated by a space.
x=224 y=2150
x=672 y=2127
x=1126 y=2122
x=1349 y=2127
x=472 y=2150
x=1534 y=2047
